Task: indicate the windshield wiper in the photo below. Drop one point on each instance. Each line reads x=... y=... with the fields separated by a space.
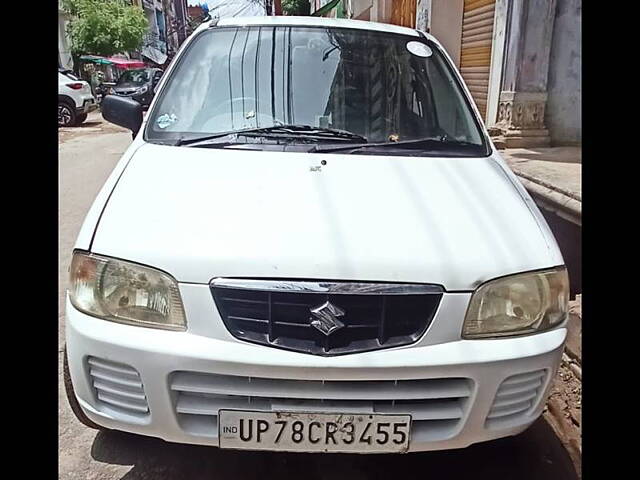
x=289 y=131
x=433 y=142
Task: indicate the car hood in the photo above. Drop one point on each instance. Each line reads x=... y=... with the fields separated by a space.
x=202 y=213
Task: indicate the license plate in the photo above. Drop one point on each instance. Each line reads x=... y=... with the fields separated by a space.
x=313 y=432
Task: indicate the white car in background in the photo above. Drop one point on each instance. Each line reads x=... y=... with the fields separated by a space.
x=75 y=99
x=312 y=245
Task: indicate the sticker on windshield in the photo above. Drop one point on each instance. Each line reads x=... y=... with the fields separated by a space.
x=165 y=120
x=419 y=49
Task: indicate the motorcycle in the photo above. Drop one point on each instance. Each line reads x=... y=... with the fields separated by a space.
x=102 y=90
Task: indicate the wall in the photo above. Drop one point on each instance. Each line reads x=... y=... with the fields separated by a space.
x=423 y=14
x=369 y=10
x=501 y=16
x=403 y=13
x=151 y=18
x=161 y=24
x=194 y=12
x=181 y=19
x=446 y=25
x=361 y=9
x=171 y=26
x=64 y=45
x=535 y=44
x=564 y=108
x=385 y=10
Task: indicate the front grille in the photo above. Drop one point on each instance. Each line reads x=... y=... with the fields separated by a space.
x=516 y=396
x=372 y=316
x=117 y=387
x=436 y=406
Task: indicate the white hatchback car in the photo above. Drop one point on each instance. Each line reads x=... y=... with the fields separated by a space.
x=312 y=245
x=75 y=99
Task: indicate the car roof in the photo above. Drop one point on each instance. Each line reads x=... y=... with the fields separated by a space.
x=312 y=22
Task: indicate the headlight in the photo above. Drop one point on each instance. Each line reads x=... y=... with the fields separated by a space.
x=518 y=305
x=143 y=89
x=125 y=292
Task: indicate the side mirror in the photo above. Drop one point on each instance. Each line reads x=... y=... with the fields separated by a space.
x=122 y=111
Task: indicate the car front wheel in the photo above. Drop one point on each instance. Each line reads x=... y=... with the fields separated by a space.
x=66 y=115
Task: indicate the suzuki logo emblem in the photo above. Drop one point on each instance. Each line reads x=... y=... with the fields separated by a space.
x=325 y=318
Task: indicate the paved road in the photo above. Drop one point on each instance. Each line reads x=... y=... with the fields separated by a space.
x=87 y=155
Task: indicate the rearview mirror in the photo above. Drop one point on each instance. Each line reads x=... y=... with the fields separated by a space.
x=122 y=111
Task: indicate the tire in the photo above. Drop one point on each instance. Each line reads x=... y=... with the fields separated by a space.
x=81 y=118
x=71 y=397
x=66 y=114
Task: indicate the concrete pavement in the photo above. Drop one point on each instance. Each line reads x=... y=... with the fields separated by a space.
x=559 y=168
x=553 y=176
x=86 y=157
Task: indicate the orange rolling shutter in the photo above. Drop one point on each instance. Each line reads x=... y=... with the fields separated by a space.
x=475 y=54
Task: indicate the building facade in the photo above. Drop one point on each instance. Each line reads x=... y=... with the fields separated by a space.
x=181 y=21
x=521 y=59
x=168 y=28
x=154 y=44
x=64 y=45
x=397 y=12
x=175 y=12
x=522 y=62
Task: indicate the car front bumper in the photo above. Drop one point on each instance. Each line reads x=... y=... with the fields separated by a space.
x=171 y=384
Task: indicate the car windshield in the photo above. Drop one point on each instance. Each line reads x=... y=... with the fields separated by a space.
x=384 y=87
x=138 y=77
